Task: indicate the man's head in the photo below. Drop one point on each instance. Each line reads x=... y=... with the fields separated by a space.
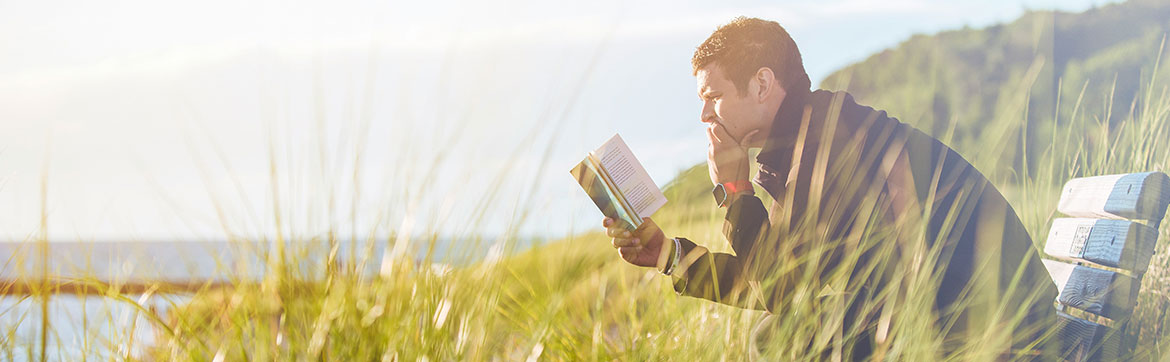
x=744 y=70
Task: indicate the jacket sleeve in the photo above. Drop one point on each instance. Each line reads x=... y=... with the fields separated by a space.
x=721 y=277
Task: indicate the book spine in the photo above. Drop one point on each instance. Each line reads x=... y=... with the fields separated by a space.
x=609 y=183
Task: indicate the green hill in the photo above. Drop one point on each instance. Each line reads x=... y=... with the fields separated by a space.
x=972 y=78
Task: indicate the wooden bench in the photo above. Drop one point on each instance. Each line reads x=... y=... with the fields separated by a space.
x=1098 y=258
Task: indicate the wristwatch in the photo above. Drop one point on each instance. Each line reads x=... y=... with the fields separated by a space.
x=723 y=191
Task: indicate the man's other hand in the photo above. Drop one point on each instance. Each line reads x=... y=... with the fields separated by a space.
x=644 y=246
x=727 y=158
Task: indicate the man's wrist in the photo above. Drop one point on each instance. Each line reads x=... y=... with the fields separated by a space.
x=727 y=192
x=738 y=186
x=689 y=256
x=731 y=199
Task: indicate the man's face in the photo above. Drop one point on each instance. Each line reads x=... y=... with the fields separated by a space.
x=724 y=105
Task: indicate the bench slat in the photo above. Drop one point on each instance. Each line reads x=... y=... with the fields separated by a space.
x=1114 y=243
x=1125 y=196
x=1082 y=340
x=1093 y=290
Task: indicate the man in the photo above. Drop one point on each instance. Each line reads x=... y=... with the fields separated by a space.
x=868 y=215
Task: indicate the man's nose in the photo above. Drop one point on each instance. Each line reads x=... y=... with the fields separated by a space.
x=707 y=114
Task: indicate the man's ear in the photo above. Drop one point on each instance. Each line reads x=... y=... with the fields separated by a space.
x=768 y=83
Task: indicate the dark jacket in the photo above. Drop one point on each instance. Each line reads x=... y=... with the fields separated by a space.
x=860 y=200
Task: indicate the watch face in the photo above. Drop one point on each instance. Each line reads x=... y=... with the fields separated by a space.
x=720 y=194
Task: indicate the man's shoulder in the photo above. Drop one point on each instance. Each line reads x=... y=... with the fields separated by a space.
x=926 y=151
x=852 y=117
x=851 y=110
x=858 y=115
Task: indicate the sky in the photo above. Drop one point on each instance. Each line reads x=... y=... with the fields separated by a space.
x=149 y=120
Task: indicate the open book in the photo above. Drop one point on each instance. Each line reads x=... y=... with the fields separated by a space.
x=618 y=184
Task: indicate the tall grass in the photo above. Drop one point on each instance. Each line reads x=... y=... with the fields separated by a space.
x=575 y=299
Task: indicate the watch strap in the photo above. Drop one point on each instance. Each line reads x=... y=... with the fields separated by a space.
x=735 y=187
x=723 y=192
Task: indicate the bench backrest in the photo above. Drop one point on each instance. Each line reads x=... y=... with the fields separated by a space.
x=1098 y=258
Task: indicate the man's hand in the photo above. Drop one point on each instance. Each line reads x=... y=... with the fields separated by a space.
x=642 y=247
x=727 y=158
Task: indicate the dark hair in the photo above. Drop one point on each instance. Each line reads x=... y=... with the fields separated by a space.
x=745 y=45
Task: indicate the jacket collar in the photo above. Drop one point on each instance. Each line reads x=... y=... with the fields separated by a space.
x=785 y=129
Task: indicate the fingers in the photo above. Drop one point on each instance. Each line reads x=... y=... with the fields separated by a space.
x=627 y=243
x=622 y=237
x=615 y=231
x=630 y=254
x=720 y=133
x=720 y=137
x=648 y=226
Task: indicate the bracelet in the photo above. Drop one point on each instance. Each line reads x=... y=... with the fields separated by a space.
x=674 y=261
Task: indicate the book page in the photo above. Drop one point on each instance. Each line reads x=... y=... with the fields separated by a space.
x=629 y=177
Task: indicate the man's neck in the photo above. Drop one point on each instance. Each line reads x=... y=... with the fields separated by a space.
x=786 y=121
x=765 y=132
